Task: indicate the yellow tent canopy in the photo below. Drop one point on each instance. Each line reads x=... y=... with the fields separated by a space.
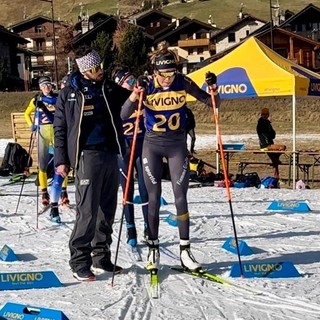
x=254 y=70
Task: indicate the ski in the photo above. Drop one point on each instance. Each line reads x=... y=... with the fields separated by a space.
x=44 y=210
x=203 y=274
x=154 y=289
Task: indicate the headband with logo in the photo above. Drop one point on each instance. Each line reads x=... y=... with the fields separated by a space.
x=165 y=62
x=121 y=75
x=89 y=61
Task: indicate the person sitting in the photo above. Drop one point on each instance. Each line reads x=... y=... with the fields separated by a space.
x=266 y=135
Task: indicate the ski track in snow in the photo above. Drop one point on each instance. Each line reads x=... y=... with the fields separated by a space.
x=272 y=236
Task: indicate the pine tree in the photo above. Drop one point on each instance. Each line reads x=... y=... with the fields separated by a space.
x=104 y=45
x=132 y=51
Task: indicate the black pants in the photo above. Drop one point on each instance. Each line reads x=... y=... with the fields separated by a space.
x=123 y=165
x=97 y=181
x=175 y=151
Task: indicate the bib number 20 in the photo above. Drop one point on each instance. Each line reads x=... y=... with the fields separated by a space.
x=173 y=122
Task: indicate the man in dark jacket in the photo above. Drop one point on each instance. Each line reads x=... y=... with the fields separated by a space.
x=88 y=137
x=266 y=135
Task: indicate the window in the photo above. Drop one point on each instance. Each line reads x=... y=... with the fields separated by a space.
x=231 y=37
x=158 y=24
x=151 y=24
x=39 y=45
x=199 y=50
x=247 y=32
x=37 y=29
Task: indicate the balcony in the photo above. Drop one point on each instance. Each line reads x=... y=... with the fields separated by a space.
x=193 y=43
x=35 y=35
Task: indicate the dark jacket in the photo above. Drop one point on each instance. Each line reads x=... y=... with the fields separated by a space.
x=265 y=133
x=68 y=117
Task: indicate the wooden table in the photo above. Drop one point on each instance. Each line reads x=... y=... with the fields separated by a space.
x=242 y=164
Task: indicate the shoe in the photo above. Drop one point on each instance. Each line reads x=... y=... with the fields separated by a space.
x=54 y=215
x=45 y=198
x=84 y=274
x=153 y=255
x=187 y=259
x=131 y=235
x=64 y=198
x=105 y=266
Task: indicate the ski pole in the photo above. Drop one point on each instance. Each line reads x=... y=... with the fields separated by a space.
x=38 y=134
x=128 y=180
x=26 y=170
x=226 y=178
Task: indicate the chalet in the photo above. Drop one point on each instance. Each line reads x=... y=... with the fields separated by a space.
x=191 y=40
x=236 y=32
x=86 y=22
x=305 y=23
x=290 y=45
x=152 y=21
x=39 y=31
x=13 y=61
x=109 y=25
x=293 y=46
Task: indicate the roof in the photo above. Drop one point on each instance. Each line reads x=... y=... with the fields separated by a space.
x=5 y=33
x=144 y=14
x=292 y=35
x=169 y=28
x=178 y=30
x=239 y=22
x=96 y=18
x=32 y=21
x=299 y=14
x=82 y=36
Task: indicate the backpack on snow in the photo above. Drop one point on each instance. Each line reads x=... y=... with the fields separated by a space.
x=196 y=167
x=250 y=179
x=15 y=159
x=269 y=183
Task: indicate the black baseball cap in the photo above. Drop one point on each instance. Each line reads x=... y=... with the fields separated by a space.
x=44 y=80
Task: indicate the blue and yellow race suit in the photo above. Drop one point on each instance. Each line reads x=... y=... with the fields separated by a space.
x=165 y=137
x=38 y=120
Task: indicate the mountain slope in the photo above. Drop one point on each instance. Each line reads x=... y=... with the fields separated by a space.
x=224 y=12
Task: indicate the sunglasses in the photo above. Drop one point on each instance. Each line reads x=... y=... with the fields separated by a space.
x=95 y=70
x=169 y=74
x=131 y=81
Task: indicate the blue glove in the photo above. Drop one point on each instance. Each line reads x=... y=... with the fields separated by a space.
x=211 y=78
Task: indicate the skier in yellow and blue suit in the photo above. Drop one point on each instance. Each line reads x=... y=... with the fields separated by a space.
x=43 y=107
x=165 y=120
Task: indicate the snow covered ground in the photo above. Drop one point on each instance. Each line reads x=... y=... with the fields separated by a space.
x=272 y=236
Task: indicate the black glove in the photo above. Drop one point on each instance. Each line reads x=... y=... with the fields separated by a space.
x=211 y=78
x=40 y=104
x=142 y=82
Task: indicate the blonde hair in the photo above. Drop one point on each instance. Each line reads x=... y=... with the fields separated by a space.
x=162 y=50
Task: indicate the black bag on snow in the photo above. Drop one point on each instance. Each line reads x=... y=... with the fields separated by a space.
x=15 y=159
x=247 y=180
